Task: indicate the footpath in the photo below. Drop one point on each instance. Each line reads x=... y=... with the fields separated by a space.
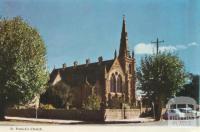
x=58 y=121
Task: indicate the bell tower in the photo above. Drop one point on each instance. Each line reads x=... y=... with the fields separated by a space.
x=128 y=64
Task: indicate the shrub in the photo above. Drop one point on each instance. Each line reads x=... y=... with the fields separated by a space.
x=92 y=103
x=115 y=103
x=46 y=106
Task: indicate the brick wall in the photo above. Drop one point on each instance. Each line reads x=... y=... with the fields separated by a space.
x=85 y=115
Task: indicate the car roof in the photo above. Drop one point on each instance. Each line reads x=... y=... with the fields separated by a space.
x=174 y=109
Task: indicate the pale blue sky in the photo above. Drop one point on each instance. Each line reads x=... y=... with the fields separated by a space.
x=81 y=29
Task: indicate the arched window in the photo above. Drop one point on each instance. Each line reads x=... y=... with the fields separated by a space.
x=119 y=83
x=112 y=83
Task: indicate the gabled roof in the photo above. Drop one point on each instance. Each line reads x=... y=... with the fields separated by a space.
x=77 y=75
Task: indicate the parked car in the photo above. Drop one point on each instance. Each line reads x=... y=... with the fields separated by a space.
x=190 y=113
x=173 y=114
x=198 y=113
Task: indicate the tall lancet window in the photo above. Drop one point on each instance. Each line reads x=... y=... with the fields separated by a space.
x=112 y=83
x=130 y=68
x=119 y=84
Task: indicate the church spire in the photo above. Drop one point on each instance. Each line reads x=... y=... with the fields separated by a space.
x=123 y=51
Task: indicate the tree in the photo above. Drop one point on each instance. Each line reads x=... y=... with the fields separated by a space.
x=160 y=76
x=59 y=95
x=23 y=72
x=190 y=89
x=50 y=98
x=93 y=102
x=64 y=92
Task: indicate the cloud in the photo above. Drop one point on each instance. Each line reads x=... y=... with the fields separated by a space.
x=180 y=47
x=148 y=48
x=193 y=44
x=143 y=48
x=167 y=48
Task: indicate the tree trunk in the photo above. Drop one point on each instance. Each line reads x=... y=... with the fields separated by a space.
x=2 y=112
x=158 y=110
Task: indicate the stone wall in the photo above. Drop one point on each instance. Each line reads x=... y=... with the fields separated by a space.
x=120 y=114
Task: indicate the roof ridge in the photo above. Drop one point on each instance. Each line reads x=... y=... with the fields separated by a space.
x=80 y=65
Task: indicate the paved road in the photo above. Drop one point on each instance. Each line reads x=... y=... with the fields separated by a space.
x=20 y=123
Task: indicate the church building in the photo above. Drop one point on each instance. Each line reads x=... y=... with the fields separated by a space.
x=105 y=78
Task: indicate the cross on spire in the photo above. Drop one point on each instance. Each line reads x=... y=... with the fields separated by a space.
x=157 y=42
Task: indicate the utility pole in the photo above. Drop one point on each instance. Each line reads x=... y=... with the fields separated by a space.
x=153 y=110
x=157 y=44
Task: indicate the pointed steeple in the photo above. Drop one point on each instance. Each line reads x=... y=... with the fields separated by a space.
x=133 y=54
x=124 y=24
x=123 y=50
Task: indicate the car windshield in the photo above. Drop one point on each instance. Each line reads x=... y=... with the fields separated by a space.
x=185 y=110
x=173 y=111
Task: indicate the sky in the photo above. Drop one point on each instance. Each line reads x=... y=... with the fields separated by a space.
x=75 y=30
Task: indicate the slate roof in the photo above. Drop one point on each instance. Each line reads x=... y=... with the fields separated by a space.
x=78 y=75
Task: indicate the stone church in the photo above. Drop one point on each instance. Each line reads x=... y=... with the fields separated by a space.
x=105 y=78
